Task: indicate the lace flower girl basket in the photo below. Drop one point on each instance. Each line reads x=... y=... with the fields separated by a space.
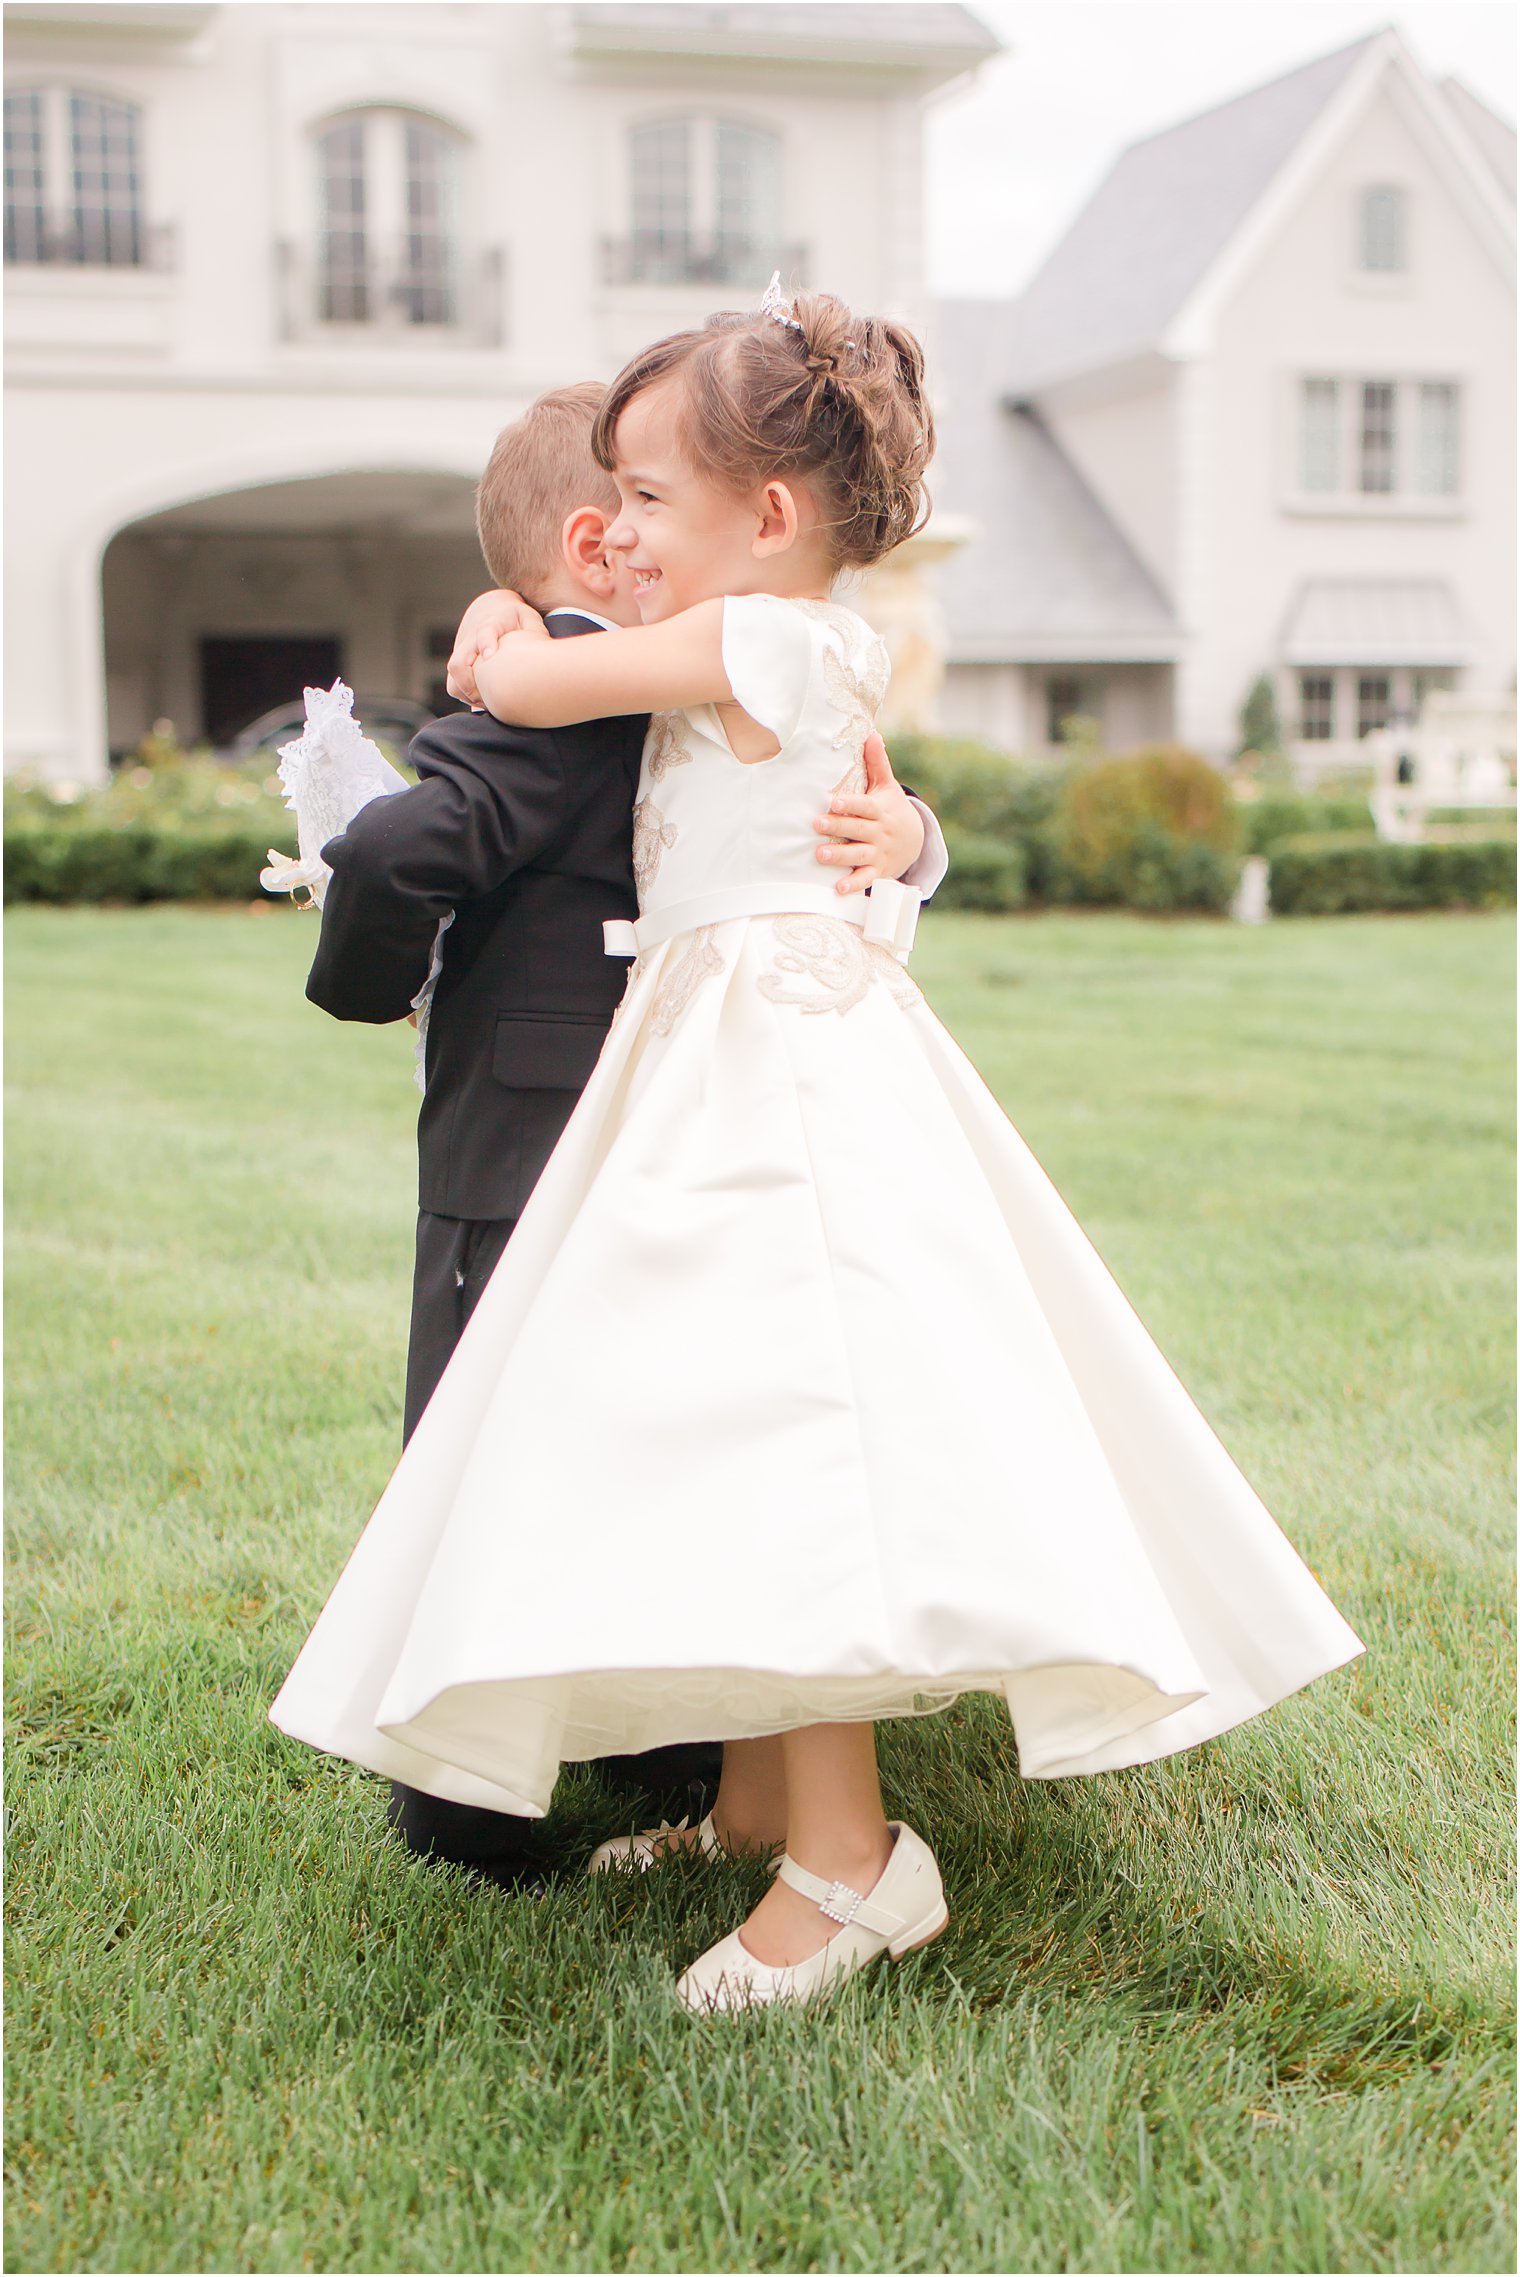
x=330 y=772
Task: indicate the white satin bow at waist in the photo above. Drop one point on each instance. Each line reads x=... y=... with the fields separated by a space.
x=888 y=914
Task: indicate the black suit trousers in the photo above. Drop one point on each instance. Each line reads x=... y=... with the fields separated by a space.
x=455 y=1259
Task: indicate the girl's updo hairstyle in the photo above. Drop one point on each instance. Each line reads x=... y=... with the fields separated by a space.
x=834 y=399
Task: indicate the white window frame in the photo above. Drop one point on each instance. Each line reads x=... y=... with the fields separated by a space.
x=60 y=208
x=1304 y=674
x=386 y=178
x=1381 y=284
x=1400 y=195
x=1408 y=685
x=1381 y=438
x=1408 y=498
x=1092 y=694
x=702 y=129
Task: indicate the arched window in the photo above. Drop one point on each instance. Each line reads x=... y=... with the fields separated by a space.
x=73 y=179
x=1381 y=244
x=387 y=221
x=705 y=199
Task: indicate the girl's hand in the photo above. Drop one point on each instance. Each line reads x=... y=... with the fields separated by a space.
x=877 y=832
x=484 y=625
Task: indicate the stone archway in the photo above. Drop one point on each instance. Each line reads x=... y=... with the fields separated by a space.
x=219 y=607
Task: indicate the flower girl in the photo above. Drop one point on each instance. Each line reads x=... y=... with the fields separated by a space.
x=793 y=1314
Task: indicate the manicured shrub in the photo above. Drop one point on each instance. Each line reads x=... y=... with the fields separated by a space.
x=1260 y=727
x=1287 y=814
x=67 y=860
x=985 y=794
x=1327 y=876
x=1474 y=821
x=1157 y=829
x=985 y=873
x=183 y=828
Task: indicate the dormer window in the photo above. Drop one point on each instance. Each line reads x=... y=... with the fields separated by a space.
x=705 y=205
x=387 y=229
x=1382 y=238
x=73 y=180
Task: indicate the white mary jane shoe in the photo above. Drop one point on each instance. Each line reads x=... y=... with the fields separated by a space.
x=636 y=1853
x=904 y=1910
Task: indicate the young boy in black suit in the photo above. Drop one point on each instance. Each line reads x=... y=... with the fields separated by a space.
x=526 y=836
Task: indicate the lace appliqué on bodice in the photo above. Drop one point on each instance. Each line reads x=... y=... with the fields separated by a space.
x=698 y=961
x=669 y=744
x=652 y=837
x=838 y=961
x=855 y=676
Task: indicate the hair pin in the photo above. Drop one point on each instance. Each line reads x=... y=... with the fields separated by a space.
x=774 y=303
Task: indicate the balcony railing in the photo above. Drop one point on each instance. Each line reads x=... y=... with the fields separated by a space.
x=126 y=245
x=391 y=300
x=744 y=262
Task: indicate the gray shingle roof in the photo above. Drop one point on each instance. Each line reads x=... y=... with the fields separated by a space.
x=1493 y=136
x=1157 y=221
x=1048 y=572
x=1376 y=620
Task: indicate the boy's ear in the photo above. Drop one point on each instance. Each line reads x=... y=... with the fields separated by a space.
x=583 y=548
x=779 y=515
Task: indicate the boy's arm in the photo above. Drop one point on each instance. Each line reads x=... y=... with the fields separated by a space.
x=540 y=682
x=491 y=799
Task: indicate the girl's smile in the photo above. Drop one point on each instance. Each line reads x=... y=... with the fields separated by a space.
x=683 y=539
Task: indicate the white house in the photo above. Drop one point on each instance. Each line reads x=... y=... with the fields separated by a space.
x=1255 y=414
x=277 y=274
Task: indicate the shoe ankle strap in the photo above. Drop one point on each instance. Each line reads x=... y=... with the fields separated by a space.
x=850 y=1908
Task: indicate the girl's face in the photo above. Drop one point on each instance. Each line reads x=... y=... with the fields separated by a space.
x=683 y=540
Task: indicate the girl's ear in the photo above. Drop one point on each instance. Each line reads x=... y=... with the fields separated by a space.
x=779 y=520
x=583 y=548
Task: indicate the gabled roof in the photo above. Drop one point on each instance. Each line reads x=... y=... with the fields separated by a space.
x=1156 y=224
x=1492 y=136
x=1047 y=573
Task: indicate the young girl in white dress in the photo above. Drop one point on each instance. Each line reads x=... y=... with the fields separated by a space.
x=799 y=1399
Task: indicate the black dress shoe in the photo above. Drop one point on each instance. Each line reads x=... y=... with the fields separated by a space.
x=492 y=1847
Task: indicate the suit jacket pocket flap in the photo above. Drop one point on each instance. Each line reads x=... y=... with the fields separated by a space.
x=539 y=1053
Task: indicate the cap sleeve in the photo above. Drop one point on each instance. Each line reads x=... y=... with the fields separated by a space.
x=768 y=657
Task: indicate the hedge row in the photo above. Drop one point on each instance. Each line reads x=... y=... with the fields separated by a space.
x=1323 y=876
x=1320 y=874
x=1284 y=814
x=985 y=873
x=66 y=861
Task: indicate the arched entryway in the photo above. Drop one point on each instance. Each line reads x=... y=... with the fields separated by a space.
x=217 y=609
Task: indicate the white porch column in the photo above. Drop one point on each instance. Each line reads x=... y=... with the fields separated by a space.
x=55 y=706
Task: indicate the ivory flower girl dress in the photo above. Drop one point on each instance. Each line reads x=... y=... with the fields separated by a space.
x=798 y=1395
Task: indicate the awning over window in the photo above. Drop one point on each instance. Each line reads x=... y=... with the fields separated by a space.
x=1376 y=620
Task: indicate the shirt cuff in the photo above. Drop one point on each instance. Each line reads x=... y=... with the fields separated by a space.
x=928 y=872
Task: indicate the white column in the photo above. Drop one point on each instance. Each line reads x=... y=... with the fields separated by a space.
x=54 y=636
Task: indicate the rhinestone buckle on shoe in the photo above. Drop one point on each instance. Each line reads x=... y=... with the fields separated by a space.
x=833 y=1904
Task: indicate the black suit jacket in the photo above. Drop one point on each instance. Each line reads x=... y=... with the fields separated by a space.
x=526 y=834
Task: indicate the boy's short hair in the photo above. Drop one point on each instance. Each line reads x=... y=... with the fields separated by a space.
x=539 y=472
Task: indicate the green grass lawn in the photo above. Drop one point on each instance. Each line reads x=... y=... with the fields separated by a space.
x=1248 y=2009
